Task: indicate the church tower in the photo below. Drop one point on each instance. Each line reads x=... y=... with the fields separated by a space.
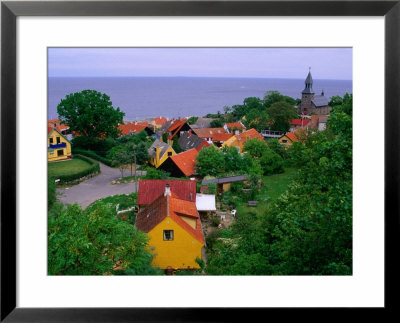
x=307 y=95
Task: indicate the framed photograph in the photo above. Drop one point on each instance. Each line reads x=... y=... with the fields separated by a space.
x=237 y=47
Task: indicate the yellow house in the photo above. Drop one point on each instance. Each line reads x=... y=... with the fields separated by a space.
x=159 y=152
x=175 y=231
x=58 y=146
x=289 y=138
x=239 y=140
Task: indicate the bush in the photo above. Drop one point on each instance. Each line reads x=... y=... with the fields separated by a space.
x=153 y=173
x=271 y=163
x=92 y=154
x=51 y=192
x=93 y=169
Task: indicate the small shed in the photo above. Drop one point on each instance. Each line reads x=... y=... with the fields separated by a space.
x=224 y=183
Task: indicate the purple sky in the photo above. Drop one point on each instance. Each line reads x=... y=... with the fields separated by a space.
x=325 y=63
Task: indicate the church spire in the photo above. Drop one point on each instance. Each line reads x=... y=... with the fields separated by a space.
x=308 y=82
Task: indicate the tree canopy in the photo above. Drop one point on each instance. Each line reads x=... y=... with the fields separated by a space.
x=280 y=113
x=90 y=114
x=94 y=242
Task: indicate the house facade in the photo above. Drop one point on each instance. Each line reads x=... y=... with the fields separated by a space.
x=182 y=164
x=58 y=146
x=159 y=152
x=239 y=140
x=174 y=229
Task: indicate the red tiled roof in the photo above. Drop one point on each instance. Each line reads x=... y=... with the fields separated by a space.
x=294 y=135
x=171 y=206
x=160 y=121
x=249 y=134
x=186 y=161
x=130 y=127
x=221 y=137
x=208 y=132
x=235 y=125
x=175 y=127
x=150 y=189
x=55 y=123
x=299 y=122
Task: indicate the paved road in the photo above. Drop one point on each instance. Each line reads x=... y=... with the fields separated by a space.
x=96 y=187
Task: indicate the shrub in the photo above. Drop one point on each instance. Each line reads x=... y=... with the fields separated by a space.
x=51 y=192
x=92 y=154
x=271 y=163
x=153 y=173
x=93 y=169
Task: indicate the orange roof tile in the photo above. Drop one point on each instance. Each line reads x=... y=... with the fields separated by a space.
x=186 y=161
x=221 y=137
x=235 y=125
x=130 y=127
x=249 y=134
x=160 y=121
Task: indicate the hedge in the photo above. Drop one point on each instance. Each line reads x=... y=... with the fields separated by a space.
x=92 y=154
x=93 y=169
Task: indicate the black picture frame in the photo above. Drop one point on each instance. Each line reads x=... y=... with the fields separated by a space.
x=10 y=10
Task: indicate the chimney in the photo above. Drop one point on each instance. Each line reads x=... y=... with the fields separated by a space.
x=189 y=133
x=167 y=191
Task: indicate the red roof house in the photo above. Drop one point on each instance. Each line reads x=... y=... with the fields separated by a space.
x=181 y=165
x=151 y=189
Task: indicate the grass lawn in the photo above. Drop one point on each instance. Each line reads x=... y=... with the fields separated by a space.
x=56 y=169
x=274 y=186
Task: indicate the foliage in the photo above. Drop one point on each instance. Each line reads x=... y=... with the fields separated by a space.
x=192 y=120
x=271 y=162
x=346 y=105
x=165 y=137
x=216 y=124
x=277 y=147
x=210 y=161
x=234 y=162
x=280 y=114
x=94 y=242
x=257 y=119
x=308 y=229
x=92 y=154
x=175 y=145
x=255 y=147
x=272 y=97
x=90 y=114
x=70 y=170
x=51 y=192
x=119 y=157
x=154 y=173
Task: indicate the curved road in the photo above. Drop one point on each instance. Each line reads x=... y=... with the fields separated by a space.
x=96 y=187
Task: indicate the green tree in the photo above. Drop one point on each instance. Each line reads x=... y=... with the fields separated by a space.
x=94 y=242
x=90 y=114
x=210 y=161
x=255 y=147
x=120 y=157
x=277 y=147
x=257 y=119
x=216 y=124
x=272 y=97
x=271 y=162
x=175 y=145
x=234 y=162
x=192 y=120
x=280 y=113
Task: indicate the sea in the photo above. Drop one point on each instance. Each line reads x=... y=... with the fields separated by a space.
x=172 y=97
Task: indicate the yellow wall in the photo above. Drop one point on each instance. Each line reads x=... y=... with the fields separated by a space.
x=66 y=150
x=288 y=142
x=157 y=162
x=233 y=142
x=226 y=187
x=178 y=253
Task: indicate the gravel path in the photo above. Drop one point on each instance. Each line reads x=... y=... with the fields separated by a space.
x=96 y=187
